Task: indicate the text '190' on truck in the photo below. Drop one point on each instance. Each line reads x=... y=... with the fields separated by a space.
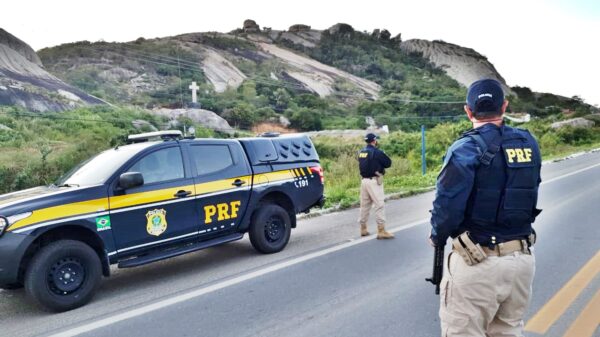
x=149 y=201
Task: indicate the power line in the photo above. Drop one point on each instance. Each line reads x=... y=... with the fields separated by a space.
x=291 y=85
x=112 y=121
x=192 y=66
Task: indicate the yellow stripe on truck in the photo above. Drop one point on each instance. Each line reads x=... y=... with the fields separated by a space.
x=220 y=185
x=62 y=211
x=136 y=199
x=129 y=200
x=279 y=175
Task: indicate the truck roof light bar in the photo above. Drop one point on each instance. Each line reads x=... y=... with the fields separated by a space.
x=164 y=135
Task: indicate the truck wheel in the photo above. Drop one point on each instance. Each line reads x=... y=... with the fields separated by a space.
x=270 y=229
x=63 y=275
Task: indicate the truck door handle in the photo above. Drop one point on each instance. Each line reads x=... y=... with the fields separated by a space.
x=182 y=194
x=238 y=182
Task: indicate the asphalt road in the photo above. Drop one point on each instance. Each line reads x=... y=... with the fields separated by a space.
x=328 y=281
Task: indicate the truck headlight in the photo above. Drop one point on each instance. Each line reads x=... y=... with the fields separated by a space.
x=3 y=224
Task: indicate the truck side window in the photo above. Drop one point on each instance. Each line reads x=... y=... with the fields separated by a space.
x=211 y=158
x=161 y=165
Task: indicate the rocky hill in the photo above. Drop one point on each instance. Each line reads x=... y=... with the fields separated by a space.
x=255 y=74
x=315 y=79
x=24 y=81
x=465 y=65
x=149 y=71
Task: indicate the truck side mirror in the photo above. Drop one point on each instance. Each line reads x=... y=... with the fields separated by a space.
x=129 y=180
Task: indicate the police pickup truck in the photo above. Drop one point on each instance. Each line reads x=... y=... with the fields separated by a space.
x=149 y=201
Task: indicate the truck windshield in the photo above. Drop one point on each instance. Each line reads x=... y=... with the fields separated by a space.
x=99 y=168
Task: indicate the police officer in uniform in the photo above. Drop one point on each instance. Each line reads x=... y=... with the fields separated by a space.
x=486 y=201
x=372 y=163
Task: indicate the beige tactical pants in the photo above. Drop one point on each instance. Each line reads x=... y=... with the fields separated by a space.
x=488 y=299
x=371 y=196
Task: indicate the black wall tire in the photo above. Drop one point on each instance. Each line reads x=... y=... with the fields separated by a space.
x=63 y=275
x=270 y=229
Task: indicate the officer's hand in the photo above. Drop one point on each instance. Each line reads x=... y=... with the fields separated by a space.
x=430 y=241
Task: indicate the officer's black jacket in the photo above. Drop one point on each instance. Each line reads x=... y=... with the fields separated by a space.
x=371 y=160
x=495 y=202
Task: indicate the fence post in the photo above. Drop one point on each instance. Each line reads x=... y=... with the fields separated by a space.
x=423 y=162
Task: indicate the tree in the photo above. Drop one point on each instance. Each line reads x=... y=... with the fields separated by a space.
x=282 y=99
x=241 y=116
x=306 y=120
x=524 y=93
x=311 y=101
x=248 y=90
x=367 y=108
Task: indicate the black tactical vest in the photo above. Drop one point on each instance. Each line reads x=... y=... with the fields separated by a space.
x=366 y=162
x=502 y=204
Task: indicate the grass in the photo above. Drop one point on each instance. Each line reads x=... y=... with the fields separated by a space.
x=37 y=150
x=342 y=180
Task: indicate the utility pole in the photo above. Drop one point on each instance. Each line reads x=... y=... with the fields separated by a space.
x=180 y=81
x=423 y=162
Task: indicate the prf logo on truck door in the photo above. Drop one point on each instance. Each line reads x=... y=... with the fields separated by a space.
x=223 y=211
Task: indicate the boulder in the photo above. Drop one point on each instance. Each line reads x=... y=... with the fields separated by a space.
x=370 y=121
x=143 y=125
x=207 y=118
x=24 y=82
x=397 y=38
x=385 y=35
x=250 y=26
x=575 y=122
x=381 y=34
x=299 y=28
x=19 y=46
x=341 y=29
x=284 y=121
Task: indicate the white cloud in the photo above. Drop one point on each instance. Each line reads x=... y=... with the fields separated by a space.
x=532 y=43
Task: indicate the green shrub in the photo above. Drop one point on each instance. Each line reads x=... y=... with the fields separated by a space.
x=306 y=119
x=241 y=116
x=576 y=136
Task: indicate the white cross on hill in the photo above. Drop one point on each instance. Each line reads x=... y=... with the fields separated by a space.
x=194 y=88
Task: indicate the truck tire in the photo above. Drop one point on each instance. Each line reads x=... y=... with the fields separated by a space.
x=63 y=275
x=270 y=229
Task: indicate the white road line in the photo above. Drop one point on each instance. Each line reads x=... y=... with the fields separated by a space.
x=570 y=174
x=221 y=285
x=245 y=277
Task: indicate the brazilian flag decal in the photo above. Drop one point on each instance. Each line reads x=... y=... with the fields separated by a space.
x=103 y=223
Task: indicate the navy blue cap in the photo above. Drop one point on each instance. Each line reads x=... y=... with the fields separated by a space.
x=485 y=97
x=370 y=137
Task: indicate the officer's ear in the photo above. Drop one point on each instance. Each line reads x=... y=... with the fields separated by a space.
x=469 y=113
x=504 y=106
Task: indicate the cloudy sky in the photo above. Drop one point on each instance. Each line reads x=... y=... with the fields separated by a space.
x=549 y=46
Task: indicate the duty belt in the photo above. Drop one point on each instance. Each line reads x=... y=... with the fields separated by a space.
x=507 y=248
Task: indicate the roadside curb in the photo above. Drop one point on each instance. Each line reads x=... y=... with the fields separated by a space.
x=571 y=156
x=391 y=196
